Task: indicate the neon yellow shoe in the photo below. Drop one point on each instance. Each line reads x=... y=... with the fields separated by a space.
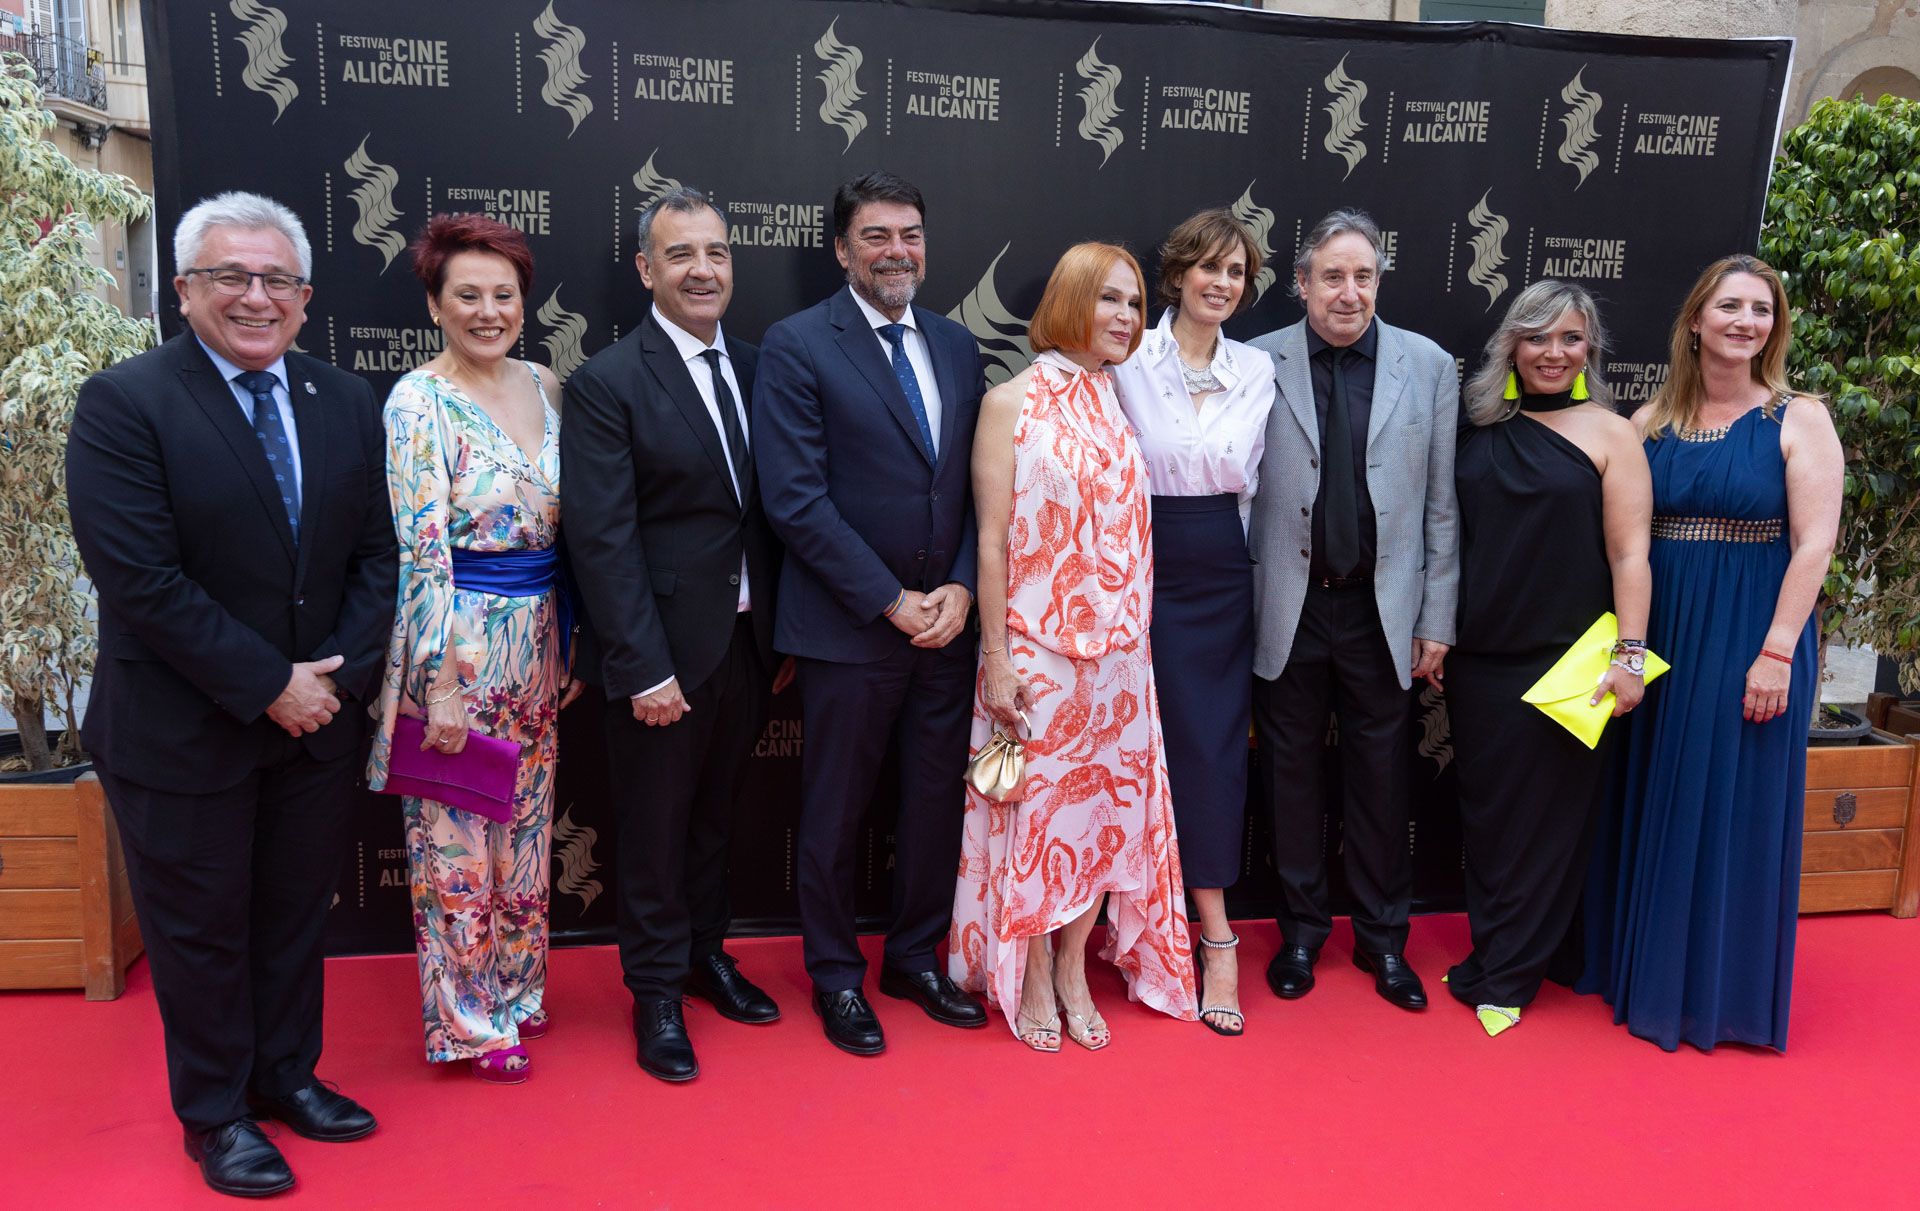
x=1497 y=1018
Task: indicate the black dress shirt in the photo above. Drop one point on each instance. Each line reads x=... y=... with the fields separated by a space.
x=1358 y=373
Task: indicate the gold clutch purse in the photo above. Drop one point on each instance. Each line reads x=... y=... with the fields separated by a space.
x=999 y=769
x=1563 y=690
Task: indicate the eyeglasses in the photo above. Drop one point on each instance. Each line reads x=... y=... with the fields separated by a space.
x=280 y=286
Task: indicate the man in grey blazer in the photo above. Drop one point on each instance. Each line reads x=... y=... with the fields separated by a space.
x=1353 y=534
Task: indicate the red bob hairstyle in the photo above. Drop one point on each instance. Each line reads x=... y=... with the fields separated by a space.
x=447 y=234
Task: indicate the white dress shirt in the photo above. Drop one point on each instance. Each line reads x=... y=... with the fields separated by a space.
x=917 y=356
x=281 y=396
x=1206 y=450
x=690 y=348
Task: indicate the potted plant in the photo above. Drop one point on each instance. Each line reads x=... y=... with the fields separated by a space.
x=64 y=913
x=1843 y=229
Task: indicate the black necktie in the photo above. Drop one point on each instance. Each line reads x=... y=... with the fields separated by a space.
x=730 y=426
x=273 y=441
x=1343 y=506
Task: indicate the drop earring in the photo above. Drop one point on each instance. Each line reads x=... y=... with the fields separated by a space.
x=1580 y=387
x=1513 y=385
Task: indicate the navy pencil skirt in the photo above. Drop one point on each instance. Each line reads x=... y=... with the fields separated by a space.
x=1203 y=669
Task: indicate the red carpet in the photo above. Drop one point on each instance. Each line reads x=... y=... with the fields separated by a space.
x=1338 y=1100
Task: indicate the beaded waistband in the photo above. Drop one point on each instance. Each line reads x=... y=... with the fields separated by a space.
x=1718 y=529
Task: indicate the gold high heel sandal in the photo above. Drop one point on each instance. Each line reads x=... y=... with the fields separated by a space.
x=1042 y=1036
x=1090 y=1031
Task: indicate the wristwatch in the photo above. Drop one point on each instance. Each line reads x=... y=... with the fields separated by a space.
x=1634 y=660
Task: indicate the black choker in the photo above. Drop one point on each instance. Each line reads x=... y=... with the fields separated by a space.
x=1529 y=402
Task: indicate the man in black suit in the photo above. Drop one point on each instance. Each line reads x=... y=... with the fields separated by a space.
x=863 y=420
x=229 y=498
x=678 y=570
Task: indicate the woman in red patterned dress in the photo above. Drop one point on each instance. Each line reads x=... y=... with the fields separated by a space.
x=1066 y=585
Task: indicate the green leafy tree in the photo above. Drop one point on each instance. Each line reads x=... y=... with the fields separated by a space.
x=1843 y=229
x=53 y=333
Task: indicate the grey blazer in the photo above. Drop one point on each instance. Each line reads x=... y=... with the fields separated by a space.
x=1416 y=573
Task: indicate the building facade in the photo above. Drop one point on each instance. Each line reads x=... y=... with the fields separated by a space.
x=91 y=62
x=1844 y=47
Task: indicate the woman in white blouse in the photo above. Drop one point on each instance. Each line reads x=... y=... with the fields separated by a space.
x=1199 y=403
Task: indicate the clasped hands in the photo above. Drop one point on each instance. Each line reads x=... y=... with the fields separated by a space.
x=932 y=620
x=310 y=700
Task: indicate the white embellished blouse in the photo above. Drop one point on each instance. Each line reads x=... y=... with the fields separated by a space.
x=1200 y=451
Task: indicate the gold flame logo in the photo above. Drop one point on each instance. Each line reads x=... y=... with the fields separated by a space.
x=1001 y=335
x=1489 y=231
x=1258 y=221
x=266 y=58
x=569 y=328
x=843 y=84
x=573 y=846
x=1099 y=109
x=1436 y=729
x=1579 y=123
x=650 y=183
x=562 y=59
x=373 y=197
x=1344 y=122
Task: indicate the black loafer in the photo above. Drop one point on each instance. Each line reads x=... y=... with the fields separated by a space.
x=1393 y=978
x=943 y=999
x=317 y=1113
x=849 y=1022
x=660 y=1029
x=237 y=1158
x=716 y=980
x=1290 y=975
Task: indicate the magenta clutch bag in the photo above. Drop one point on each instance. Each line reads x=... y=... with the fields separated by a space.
x=477 y=779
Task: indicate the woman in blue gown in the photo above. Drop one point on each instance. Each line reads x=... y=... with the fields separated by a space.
x=1695 y=889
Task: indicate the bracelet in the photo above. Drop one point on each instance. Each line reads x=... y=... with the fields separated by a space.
x=900 y=597
x=992 y=651
x=1629 y=645
x=452 y=691
x=1776 y=656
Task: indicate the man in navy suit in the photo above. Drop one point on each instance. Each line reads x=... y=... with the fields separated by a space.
x=864 y=408
x=229 y=498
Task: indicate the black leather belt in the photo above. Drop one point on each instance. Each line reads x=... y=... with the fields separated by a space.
x=1343 y=582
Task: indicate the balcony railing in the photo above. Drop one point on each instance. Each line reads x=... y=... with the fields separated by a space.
x=65 y=67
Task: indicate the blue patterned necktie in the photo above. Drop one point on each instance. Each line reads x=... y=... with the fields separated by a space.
x=896 y=335
x=273 y=441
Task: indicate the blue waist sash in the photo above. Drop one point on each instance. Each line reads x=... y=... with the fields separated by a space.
x=525 y=573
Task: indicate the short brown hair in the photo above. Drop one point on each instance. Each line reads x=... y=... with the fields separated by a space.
x=1064 y=318
x=1208 y=233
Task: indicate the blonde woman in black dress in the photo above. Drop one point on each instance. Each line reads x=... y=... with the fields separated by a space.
x=1555 y=504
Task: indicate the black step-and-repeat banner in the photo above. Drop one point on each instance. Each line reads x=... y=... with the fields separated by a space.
x=1492 y=155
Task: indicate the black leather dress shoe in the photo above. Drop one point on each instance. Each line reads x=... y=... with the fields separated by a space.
x=1290 y=975
x=849 y=1022
x=660 y=1028
x=944 y=1000
x=716 y=980
x=1393 y=978
x=318 y=1113
x=237 y=1158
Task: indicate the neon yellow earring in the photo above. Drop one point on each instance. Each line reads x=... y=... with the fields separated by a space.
x=1513 y=386
x=1580 y=386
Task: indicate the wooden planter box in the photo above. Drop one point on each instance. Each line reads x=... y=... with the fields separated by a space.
x=1862 y=846
x=66 y=918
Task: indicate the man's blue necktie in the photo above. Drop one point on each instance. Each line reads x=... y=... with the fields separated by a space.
x=896 y=335
x=273 y=440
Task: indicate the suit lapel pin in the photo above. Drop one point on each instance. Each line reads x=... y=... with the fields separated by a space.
x=311 y=390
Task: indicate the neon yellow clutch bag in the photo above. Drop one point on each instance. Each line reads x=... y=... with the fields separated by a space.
x=1563 y=690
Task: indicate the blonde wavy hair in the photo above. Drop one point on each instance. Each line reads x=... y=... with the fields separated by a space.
x=1677 y=403
x=1534 y=310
